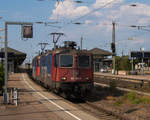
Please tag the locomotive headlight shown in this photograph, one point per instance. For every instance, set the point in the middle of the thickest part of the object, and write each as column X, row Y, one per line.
column 63, row 78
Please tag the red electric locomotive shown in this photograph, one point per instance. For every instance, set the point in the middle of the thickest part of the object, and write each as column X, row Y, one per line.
column 65, row 70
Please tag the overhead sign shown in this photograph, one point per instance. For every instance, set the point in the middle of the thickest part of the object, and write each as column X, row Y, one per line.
column 140, row 54
column 27, row 31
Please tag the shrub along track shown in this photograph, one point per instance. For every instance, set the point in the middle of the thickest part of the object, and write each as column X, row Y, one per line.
column 93, row 104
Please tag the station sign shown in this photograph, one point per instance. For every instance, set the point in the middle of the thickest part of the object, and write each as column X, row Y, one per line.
column 27, row 31
column 140, row 54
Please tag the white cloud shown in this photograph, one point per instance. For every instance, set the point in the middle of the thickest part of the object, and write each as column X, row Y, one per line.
column 97, row 14
column 130, row 15
column 68, row 9
column 105, row 25
column 140, row 9
column 100, row 3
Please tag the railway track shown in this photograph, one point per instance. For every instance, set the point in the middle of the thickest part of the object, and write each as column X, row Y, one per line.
column 91, row 108
column 133, row 84
column 97, row 111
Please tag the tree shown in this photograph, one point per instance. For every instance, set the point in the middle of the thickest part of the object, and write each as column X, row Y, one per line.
column 123, row 63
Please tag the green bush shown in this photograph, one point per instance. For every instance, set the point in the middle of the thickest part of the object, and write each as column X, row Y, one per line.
column 118, row 102
column 133, row 98
column 112, row 86
column 1, row 76
column 122, row 63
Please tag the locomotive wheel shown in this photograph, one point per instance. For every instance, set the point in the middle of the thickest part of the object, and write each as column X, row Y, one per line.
column 66, row 95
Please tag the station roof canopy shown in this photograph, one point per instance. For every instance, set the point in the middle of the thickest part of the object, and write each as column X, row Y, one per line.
column 11, row 50
column 100, row 52
column 18, row 56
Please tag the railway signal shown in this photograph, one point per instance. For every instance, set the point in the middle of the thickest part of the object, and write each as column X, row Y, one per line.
column 113, row 46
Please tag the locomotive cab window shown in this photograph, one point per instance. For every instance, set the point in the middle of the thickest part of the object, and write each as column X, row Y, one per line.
column 66, row 61
column 83, row 61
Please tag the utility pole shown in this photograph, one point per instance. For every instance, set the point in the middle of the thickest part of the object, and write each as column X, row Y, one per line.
column 43, row 45
column 0, row 36
column 113, row 46
column 56, row 37
column 81, row 42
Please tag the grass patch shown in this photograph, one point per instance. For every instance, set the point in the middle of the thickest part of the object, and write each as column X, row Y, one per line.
column 133, row 98
column 118, row 102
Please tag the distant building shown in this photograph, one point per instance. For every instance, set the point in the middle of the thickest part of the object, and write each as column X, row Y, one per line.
column 100, row 58
column 15, row 59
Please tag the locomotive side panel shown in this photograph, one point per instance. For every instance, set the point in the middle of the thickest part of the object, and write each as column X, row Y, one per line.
column 34, row 68
column 42, row 69
column 38, row 68
column 48, row 70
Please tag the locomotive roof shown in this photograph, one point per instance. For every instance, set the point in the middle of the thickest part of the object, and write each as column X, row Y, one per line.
column 63, row 51
column 71, row 51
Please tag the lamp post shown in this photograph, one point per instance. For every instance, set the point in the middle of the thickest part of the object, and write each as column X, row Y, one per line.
column 142, row 50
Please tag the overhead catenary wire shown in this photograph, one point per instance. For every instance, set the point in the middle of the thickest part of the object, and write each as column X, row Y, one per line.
column 90, row 12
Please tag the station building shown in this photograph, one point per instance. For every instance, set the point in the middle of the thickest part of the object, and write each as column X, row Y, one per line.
column 101, row 59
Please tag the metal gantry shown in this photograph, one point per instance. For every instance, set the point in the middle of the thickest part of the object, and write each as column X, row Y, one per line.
column 6, row 55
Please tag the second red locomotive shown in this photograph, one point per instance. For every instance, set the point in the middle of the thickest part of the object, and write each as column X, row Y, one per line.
column 65, row 70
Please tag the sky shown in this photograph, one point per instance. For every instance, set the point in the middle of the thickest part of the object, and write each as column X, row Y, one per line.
column 95, row 18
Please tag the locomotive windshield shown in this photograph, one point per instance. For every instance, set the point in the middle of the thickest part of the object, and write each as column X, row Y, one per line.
column 66, row 61
column 83, row 61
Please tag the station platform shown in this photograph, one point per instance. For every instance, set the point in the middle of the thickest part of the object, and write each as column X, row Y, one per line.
column 134, row 77
column 29, row 108
column 36, row 103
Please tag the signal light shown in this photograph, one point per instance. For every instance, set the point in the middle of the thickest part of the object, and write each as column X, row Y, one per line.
column 113, row 47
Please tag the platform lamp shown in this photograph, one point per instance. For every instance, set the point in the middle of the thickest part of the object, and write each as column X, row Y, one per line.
column 142, row 51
